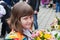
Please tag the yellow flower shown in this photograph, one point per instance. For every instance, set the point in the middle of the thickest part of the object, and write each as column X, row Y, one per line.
column 47, row 36
column 58, row 27
column 13, row 35
column 41, row 33
column 38, row 38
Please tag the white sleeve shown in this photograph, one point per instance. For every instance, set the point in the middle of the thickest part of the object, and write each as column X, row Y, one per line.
column 2, row 10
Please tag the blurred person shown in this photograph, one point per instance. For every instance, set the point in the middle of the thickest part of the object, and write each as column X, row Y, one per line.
column 2, row 11
column 45, row 2
column 54, row 4
column 35, row 5
column 57, row 5
column 5, row 26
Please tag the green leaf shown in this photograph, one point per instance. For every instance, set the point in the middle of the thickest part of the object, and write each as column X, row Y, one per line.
column 35, row 38
column 56, row 35
column 48, row 30
column 59, row 38
column 58, row 20
column 42, row 38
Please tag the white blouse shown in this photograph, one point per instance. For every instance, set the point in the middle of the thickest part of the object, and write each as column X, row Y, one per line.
column 2, row 11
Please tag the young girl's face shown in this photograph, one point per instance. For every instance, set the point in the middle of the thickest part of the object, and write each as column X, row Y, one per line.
column 27, row 21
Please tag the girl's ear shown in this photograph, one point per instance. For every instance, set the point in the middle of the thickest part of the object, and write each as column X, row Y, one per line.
column 19, row 20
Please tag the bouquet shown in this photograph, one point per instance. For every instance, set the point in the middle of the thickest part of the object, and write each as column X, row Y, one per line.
column 42, row 35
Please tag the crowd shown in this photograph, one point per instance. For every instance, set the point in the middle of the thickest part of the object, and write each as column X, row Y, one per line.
column 18, row 16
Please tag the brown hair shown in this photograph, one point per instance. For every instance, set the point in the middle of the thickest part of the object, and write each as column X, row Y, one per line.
column 19, row 10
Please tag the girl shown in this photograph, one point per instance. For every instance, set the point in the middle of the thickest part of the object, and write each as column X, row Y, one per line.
column 20, row 22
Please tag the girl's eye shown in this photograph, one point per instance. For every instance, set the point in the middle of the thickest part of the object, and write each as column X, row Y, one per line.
column 25, row 18
column 31, row 16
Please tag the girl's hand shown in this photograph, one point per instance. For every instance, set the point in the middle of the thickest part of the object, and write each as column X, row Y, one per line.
column 35, row 34
column 35, row 12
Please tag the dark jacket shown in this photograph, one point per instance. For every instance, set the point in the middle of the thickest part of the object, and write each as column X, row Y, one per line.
column 7, row 15
column 58, row 1
column 54, row 1
column 34, row 4
column 11, row 2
